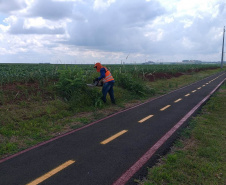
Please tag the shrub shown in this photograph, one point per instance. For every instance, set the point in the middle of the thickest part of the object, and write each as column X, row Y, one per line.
column 73, row 89
column 70, row 81
column 87, row 99
column 134, row 85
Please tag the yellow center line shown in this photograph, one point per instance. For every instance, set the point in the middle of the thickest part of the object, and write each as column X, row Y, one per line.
column 146, row 118
column 164, row 108
column 187, row 94
column 199, row 87
column 194, row 91
column 113, row 137
column 51, row 173
column 178, row 100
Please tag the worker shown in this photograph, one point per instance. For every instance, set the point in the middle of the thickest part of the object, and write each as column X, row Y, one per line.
column 108, row 82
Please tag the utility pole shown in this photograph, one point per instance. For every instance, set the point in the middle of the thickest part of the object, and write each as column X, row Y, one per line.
column 222, row 56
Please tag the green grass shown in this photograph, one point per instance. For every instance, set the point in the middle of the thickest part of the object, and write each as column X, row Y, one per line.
column 34, row 112
column 164, row 86
column 199, row 156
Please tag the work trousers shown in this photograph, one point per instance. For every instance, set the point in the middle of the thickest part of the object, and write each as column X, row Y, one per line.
column 108, row 88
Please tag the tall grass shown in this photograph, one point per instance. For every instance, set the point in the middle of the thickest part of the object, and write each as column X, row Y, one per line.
column 134, row 85
column 73, row 89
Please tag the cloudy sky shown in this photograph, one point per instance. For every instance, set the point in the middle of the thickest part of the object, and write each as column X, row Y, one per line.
column 110, row 31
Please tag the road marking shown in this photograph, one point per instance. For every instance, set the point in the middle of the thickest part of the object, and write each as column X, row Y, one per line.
column 204, row 85
column 187, row 94
column 164, row 108
column 199, row 87
column 128, row 174
column 194, row 91
column 207, row 83
column 51, row 173
column 178, row 100
column 113, row 137
column 146, row 118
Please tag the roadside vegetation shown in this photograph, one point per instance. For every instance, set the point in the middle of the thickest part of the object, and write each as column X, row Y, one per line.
column 199, row 156
column 41, row 101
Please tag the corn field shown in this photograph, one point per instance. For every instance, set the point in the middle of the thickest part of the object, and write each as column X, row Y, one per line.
column 10, row 73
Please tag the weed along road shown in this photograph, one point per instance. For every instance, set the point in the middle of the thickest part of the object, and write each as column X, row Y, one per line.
column 113, row 150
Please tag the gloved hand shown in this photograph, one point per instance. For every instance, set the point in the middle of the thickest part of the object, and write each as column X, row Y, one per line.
column 96, row 81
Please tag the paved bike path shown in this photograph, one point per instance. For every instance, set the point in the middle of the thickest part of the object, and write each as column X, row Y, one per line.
column 85, row 156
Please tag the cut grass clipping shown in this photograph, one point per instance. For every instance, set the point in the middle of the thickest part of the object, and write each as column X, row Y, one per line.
column 199, row 157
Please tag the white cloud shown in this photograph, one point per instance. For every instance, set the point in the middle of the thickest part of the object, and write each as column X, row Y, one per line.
column 107, row 30
column 102, row 4
column 119, row 28
column 4, row 28
column 187, row 22
column 155, row 36
column 11, row 5
column 49, row 9
column 35, row 22
column 188, row 43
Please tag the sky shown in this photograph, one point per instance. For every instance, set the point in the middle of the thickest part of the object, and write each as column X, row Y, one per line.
column 110, row 31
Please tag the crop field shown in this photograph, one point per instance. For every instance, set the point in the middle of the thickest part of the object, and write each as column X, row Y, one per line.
column 41, row 101
column 22, row 81
column 10, row 73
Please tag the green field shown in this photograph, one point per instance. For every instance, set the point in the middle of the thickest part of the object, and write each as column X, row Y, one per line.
column 41, row 101
column 44, row 72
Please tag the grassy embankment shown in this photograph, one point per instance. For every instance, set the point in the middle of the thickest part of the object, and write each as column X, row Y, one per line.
column 199, row 156
column 32, row 113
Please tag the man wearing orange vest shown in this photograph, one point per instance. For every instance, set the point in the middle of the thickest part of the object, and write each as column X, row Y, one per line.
column 108, row 81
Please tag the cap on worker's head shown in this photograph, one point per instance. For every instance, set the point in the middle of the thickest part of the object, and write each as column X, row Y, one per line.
column 98, row 66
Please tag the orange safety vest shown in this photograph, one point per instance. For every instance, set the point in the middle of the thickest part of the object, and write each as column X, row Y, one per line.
column 108, row 77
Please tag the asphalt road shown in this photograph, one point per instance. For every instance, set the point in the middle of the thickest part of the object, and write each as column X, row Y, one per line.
column 114, row 150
